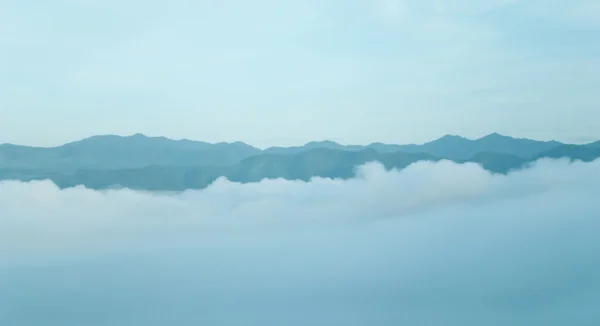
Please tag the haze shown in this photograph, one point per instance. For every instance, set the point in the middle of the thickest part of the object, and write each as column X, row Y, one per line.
column 285, row 73
column 300, row 162
column 437, row 244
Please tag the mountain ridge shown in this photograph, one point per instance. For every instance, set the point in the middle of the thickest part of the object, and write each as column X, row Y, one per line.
column 142, row 135
column 159, row 163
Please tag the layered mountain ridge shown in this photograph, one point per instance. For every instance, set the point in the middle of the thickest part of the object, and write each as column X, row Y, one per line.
column 163, row 164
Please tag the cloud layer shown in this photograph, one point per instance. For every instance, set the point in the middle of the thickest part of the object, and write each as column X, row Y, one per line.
column 434, row 244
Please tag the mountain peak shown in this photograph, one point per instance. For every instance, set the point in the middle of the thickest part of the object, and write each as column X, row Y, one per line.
column 495, row 135
column 138, row 135
column 449, row 137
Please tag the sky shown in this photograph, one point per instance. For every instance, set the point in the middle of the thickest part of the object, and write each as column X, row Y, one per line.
column 287, row 72
column 434, row 244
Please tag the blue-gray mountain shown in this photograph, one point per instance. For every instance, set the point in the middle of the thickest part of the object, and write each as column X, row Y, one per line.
column 162, row 164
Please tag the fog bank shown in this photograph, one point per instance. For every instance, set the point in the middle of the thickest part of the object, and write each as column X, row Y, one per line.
column 433, row 244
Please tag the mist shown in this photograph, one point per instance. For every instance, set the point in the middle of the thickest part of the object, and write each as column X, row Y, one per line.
column 434, row 244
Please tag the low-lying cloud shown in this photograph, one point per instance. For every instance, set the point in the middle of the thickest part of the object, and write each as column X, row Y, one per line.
column 434, row 244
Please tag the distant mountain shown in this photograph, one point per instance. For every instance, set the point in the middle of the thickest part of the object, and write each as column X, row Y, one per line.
column 388, row 148
column 162, row 164
column 310, row 146
column 319, row 162
column 151, row 178
column 460, row 148
column 117, row 152
column 585, row 153
column 498, row 162
column 449, row 146
column 594, row 144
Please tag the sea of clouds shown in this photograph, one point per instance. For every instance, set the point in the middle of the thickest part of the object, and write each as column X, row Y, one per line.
column 434, row 244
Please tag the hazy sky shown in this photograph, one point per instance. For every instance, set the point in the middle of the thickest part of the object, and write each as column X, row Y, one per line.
column 435, row 244
column 286, row 72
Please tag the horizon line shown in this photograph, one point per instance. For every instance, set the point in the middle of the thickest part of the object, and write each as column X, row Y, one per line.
column 138, row 134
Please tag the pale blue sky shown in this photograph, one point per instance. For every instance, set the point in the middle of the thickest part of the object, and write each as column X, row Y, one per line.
column 286, row 72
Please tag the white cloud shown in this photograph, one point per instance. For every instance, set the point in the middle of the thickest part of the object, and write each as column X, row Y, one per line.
column 435, row 244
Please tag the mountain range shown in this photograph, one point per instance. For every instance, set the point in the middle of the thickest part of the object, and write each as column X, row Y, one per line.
column 162, row 164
